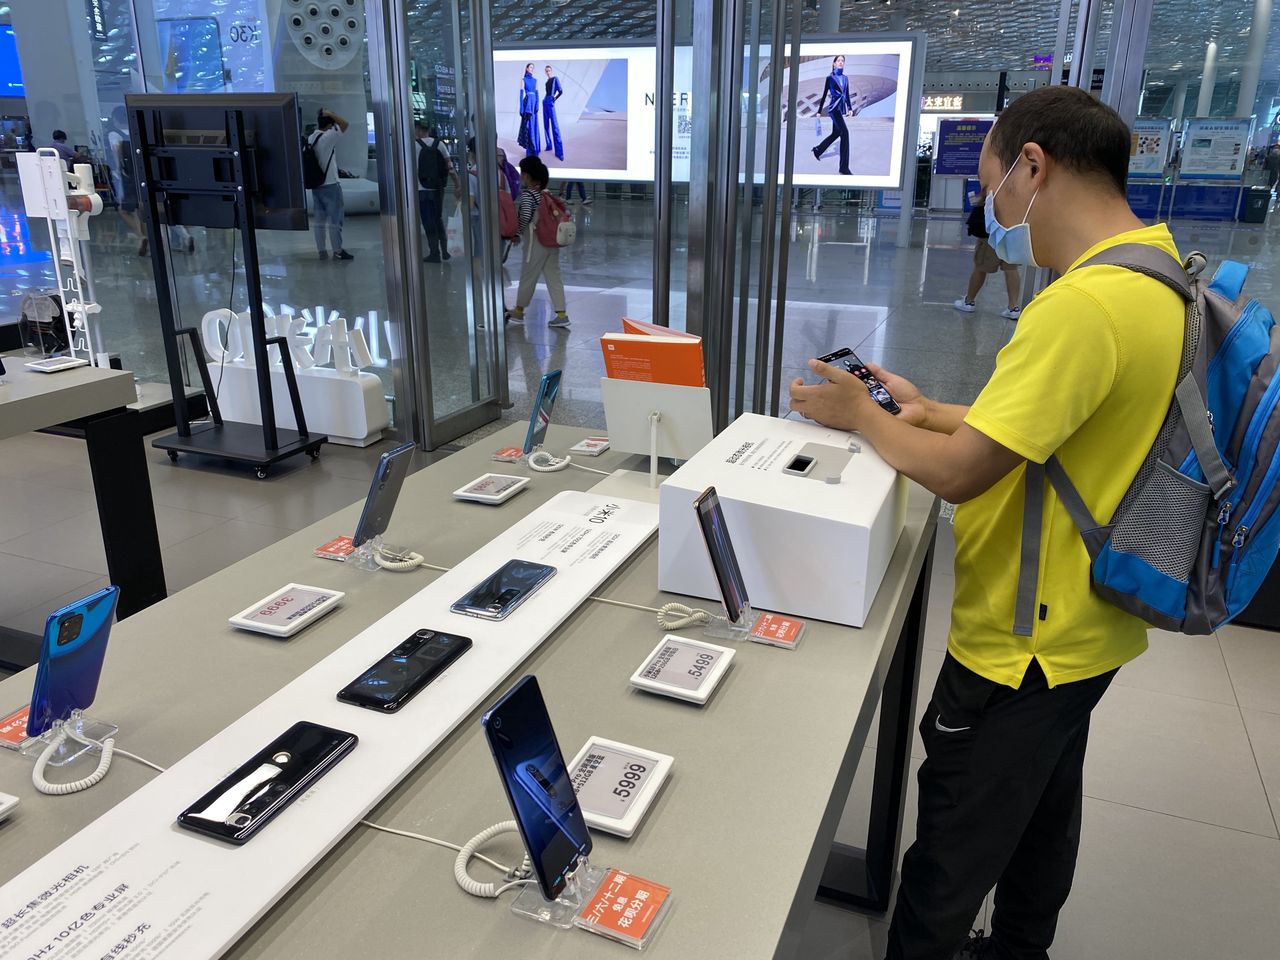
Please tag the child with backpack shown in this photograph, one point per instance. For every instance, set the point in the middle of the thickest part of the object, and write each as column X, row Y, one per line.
column 545, row 226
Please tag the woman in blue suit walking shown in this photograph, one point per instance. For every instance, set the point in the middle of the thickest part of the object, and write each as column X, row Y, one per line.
column 835, row 94
column 528, row 137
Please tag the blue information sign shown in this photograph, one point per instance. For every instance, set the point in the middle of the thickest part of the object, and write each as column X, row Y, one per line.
column 958, row 146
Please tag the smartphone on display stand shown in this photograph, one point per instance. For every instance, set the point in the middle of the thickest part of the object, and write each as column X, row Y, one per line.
column 403, row 673
column 260, row 789
column 540, row 418
column 388, row 478
column 71, row 655
column 844, row 357
column 496, row 596
column 536, row 780
column 715, row 533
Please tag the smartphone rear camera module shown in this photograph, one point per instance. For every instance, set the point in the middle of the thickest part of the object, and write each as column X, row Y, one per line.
column 239, row 820
column 69, row 629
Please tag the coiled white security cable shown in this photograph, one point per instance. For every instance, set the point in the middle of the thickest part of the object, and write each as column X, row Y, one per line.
column 108, row 747
column 515, row 878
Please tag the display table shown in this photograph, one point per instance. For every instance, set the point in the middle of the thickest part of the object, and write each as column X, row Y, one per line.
column 95, row 400
column 743, row 832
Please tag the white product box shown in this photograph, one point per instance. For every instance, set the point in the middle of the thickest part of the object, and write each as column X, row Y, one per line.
column 807, row 547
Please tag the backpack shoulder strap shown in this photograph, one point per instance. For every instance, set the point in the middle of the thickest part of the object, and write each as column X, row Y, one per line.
column 1147, row 260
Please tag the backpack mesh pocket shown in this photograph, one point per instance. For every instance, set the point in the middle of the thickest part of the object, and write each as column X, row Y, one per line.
column 1164, row 522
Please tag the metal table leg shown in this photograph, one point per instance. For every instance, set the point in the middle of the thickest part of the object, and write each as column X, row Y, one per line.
column 863, row 878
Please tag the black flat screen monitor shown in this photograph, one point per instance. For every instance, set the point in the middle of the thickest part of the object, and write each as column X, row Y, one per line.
column 188, row 122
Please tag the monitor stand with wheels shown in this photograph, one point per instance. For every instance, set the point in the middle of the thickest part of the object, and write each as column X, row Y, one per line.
column 198, row 176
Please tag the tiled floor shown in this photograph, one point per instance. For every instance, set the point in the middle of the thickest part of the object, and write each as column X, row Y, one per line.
column 1181, row 853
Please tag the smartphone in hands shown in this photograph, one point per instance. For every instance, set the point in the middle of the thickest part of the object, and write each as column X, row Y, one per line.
column 844, row 357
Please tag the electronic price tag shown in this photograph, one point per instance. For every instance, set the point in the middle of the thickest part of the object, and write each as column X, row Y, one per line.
column 617, row 783
column 684, row 669
column 492, row 488
column 290, row 609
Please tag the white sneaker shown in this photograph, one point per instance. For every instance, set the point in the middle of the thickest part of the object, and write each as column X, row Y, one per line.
column 964, row 306
column 1012, row 313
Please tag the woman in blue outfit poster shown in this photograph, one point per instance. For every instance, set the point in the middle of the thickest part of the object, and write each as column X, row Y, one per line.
column 836, row 95
column 550, row 124
column 528, row 137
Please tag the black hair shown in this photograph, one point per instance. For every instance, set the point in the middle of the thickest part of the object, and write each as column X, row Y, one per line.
column 471, row 145
column 838, row 56
column 60, row 135
column 528, row 65
column 1082, row 134
column 323, row 120
column 536, row 170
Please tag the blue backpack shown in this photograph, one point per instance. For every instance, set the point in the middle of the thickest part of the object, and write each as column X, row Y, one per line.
column 1196, row 532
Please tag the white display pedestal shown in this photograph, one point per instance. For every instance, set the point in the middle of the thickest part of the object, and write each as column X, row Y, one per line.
column 351, row 408
column 806, row 547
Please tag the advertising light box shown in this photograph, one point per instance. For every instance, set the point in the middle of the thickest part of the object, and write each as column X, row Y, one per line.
column 606, row 113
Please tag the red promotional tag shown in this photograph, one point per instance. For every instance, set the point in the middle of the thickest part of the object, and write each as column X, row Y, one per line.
column 337, row 549
column 777, row 630
column 509, row 454
column 13, row 728
column 625, row 907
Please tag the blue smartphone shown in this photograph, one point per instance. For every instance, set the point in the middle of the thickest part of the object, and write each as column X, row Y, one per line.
column 540, row 419
column 388, row 478
column 536, row 780
column 71, row 654
column 497, row 595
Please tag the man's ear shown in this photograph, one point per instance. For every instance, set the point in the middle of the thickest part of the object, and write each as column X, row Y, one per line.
column 1037, row 162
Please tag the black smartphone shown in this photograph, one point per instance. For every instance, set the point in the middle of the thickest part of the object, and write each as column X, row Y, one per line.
column 497, row 595
column 536, row 780
column 400, row 676
column 261, row 788
column 388, row 478
column 715, row 533
column 849, row 360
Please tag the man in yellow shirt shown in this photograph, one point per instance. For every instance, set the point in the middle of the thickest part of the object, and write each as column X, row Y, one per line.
column 1089, row 375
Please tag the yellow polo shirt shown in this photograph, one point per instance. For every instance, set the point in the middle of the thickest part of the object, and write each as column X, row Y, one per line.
column 1088, row 375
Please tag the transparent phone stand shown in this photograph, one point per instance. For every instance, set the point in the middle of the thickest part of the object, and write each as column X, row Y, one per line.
column 366, row 555
column 580, row 886
column 722, row 628
column 79, row 738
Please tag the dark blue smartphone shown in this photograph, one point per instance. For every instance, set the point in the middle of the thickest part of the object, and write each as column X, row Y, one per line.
column 543, row 404
column 388, row 478
column 715, row 532
column 71, row 654
column 537, row 783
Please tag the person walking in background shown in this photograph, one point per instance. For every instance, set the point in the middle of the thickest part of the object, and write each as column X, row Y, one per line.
column 1273, row 165
column 550, row 124
column 434, row 170
column 836, row 95
column 528, row 136
column 329, row 207
column 511, row 174
column 567, row 191
column 122, row 180
column 539, row 260
column 985, row 263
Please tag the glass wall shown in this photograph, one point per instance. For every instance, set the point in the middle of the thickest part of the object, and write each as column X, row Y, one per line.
column 316, row 49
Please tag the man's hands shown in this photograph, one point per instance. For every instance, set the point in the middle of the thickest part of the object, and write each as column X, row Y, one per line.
column 844, row 403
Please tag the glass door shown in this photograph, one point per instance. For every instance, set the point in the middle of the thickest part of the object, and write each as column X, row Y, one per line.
column 448, row 220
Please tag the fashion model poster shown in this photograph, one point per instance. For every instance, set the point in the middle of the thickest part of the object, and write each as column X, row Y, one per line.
column 851, row 111
column 570, row 107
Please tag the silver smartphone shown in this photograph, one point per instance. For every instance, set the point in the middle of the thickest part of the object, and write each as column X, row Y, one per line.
column 500, row 593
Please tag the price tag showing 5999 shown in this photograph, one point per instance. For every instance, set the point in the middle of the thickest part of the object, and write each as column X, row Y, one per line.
column 616, row 783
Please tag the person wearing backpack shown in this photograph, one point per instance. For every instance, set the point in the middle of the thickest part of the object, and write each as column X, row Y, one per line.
column 434, row 170
column 541, row 259
column 1087, row 379
column 985, row 263
column 327, row 195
